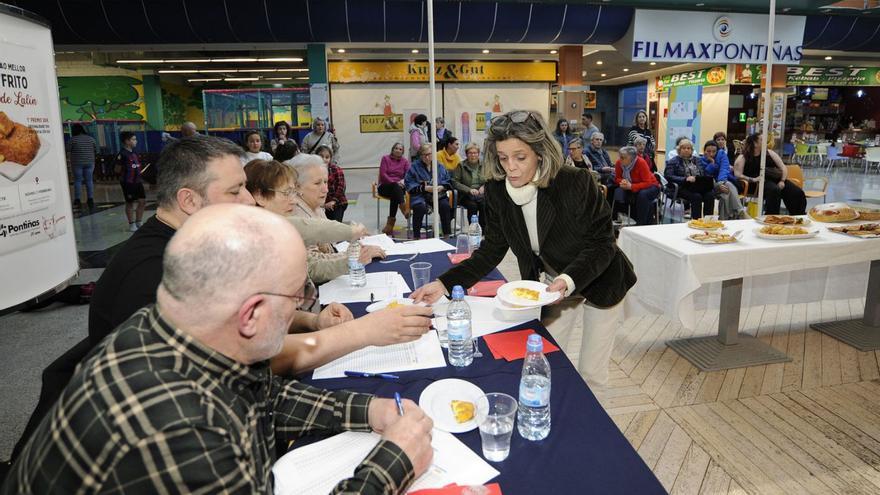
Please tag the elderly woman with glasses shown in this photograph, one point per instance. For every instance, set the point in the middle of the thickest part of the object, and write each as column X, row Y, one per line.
column 419, row 182
column 635, row 184
column 558, row 227
column 695, row 184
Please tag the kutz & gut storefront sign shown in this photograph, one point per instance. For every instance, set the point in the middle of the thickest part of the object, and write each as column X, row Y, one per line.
column 450, row 71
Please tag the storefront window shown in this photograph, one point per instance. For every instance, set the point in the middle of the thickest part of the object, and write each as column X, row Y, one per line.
column 630, row 100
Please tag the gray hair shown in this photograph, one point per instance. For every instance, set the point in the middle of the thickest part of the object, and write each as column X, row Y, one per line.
column 189, row 125
column 317, row 121
column 243, row 250
column 597, row 134
column 440, row 120
column 304, row 162
column 683, row 142
column 578, row 141
column 640, row 140
column 184, row 164
column 629, row 151
column 532, row 131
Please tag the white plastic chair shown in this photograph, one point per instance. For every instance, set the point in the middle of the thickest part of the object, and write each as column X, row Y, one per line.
column 872, row 155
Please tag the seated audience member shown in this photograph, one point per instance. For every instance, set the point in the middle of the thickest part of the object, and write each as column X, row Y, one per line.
column 442, row 133
column 715, row 163
column 601, row 162
column 418, row 135
column 577, row 159
column 336, row 202
column 320, row 135
column 777, row 187
column 725, row 146
column 310, row 176
column 448, row 154
column 419, row 183
column 467, row 179
column 253, row 147
column 694, row 184
column 641, row 145
column 674, row 151
column 564, row 135
column 635, row 185
column 286, row 151
column 282, row 135
column 182, row 401
column 273, row 186
column 392, row 170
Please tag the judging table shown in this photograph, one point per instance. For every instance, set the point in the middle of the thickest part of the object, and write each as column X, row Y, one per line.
column 585, row 451
column 672, row 269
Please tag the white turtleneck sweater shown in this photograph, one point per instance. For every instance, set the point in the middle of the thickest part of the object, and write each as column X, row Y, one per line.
column 526, row 197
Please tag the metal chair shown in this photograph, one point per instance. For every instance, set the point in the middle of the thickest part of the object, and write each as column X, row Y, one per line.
column 834, row 156
column 872, row 155
column 378, row 197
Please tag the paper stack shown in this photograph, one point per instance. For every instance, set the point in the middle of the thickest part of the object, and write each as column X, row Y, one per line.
column 380, row 285
column 417, row 355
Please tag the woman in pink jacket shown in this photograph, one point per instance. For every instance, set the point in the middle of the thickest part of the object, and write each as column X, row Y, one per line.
column 392, row 169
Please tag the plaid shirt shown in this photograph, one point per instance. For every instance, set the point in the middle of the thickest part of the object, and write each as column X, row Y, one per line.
column 336, row 185
column 151, row 410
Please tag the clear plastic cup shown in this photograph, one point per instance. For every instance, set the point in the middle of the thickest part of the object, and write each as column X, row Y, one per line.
column 496, row 414
column 462, row 244
column 421, row 273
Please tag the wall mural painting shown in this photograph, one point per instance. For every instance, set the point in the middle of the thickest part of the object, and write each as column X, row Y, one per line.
column 181, row 104
column 101, row 97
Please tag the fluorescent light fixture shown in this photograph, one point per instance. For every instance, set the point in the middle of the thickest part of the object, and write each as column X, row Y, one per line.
column 415, row 50
column 625, row 69
column 187, row 61
column 341, row 50
column 178, row 71
column 829, row 57
column 204, row 80
column 553, row 52
column 293, row 70
column 141, row 61
column 233, row 60
column 215, row 71
column 278, row 78
column 485, row 51
column 242, row 79
column 258, row 70
column 280, row 59
column 302, row 78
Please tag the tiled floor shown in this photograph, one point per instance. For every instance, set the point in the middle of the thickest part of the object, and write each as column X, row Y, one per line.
column 655, row 399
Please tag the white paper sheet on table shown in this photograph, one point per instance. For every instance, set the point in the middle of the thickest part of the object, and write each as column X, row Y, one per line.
column 382, row 285
column 417, row 355
column 420, row 246
column 317, row 468
column 380, row 240
column 485, row 317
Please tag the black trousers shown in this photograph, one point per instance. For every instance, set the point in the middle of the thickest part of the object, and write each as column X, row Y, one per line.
column 420, row 210
column 395, row 193
column 336, row 213
column 793, row 196
column 474, row 206
column 702, row 203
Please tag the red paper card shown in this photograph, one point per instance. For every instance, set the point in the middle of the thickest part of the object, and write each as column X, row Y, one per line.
column 512, row 345
column 458, row 258
column 453, row 489
column 487, row 288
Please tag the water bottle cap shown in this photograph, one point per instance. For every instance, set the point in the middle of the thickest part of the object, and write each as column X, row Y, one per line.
column 535, row 343
column 473, row 218
column 457, row 292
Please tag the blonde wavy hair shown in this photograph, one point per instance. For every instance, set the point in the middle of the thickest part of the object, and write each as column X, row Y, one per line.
column 530, row 128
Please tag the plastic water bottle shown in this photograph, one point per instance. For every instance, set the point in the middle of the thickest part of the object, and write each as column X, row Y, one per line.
column 533, row 421
column 475, row 234
column 356, row 272
column 458, row 329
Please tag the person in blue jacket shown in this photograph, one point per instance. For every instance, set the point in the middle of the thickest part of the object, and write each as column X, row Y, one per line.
column 716, row 164
column 419, row 184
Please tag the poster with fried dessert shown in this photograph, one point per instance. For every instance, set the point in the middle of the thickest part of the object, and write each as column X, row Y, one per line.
column 37, row 247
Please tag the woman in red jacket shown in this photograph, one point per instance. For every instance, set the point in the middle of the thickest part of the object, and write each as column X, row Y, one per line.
column 636, row 184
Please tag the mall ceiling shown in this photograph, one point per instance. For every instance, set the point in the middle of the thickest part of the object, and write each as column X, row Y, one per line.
column 115, row 23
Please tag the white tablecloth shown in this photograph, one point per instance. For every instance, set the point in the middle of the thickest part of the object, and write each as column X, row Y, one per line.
column 677, row 277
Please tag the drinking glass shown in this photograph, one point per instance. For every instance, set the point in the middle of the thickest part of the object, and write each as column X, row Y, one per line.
column 462, row 245
column 421, row 273
column 495, row 414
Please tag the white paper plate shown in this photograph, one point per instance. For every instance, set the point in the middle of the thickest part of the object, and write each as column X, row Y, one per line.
column 710, row 243
column 716, row 229
column 403, row 301
column 505, row 294
column 436, row 401
column 772, row 237
column 806, row 221
column 507, row 307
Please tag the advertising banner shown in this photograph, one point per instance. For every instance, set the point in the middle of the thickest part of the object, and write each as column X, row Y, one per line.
column 37, row 248
column 713, row 76
column 707, row 37
column 382, row 123
column 833, row 76
column 448, row 71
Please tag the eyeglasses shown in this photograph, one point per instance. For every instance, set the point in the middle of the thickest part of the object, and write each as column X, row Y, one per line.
column 501, row 124
column 301, row 300
column 289, row 192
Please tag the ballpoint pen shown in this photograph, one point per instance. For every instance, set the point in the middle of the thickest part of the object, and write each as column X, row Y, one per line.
column 399, row 403
column 362, row 374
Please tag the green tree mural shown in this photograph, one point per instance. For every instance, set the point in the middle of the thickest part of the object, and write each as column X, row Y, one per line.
column 173, row 108
column 99, row 97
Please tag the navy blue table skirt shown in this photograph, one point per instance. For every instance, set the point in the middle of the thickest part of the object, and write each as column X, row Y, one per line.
column 584, row 453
